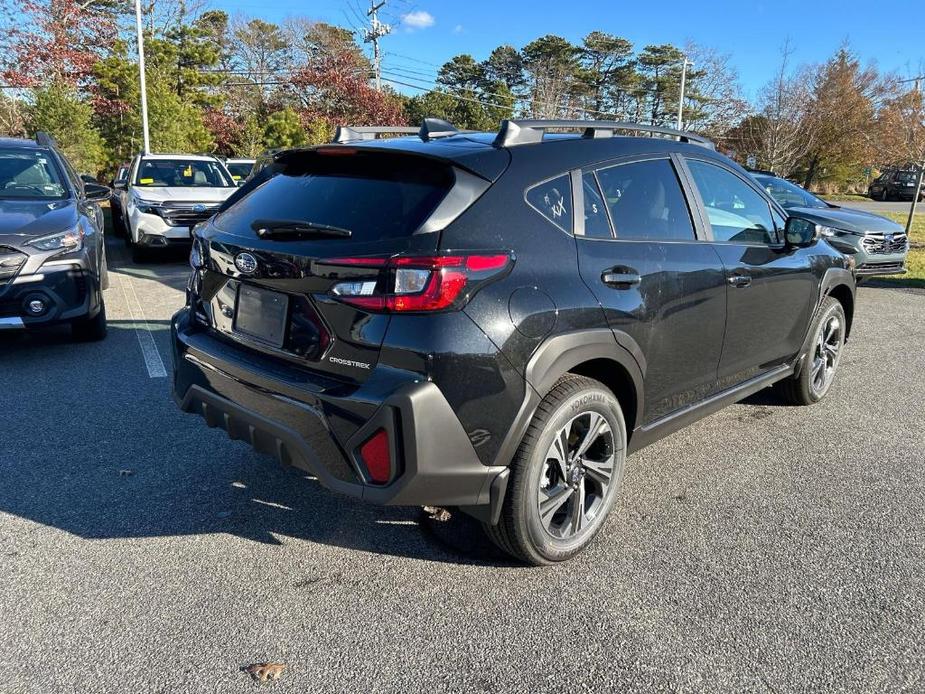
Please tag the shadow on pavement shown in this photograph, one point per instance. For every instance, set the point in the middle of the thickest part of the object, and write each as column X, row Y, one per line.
column 101, row 451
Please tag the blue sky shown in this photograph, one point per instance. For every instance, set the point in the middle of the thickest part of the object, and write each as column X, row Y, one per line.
column 752, row 33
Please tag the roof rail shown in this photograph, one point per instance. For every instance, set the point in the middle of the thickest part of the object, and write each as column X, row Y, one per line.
column 431, row 129
column 353, row 133
column 45, row 140
column 527, row 131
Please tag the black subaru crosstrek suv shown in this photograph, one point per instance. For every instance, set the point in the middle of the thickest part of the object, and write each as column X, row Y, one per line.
column 52, row 255
column 493, row 321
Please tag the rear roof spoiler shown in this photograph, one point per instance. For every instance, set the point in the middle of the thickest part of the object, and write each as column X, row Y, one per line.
column 528, row 131
column 430, row 129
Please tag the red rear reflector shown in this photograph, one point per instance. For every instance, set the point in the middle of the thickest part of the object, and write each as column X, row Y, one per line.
column 377, row 458
column 478, row 263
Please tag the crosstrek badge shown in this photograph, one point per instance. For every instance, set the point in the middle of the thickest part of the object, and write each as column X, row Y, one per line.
column 349, row 362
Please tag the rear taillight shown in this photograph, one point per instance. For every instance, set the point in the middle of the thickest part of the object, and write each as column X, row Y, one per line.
column 377, row 457
column 404, row 284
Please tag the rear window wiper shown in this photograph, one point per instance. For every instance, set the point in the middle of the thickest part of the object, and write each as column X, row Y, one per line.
column 289, row 228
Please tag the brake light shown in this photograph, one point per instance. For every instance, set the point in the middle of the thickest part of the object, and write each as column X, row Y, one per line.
column 336, row 151
column 376, row 457
column 419, row 283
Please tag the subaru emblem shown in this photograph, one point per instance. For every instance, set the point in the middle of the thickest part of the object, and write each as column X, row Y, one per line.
column 199, row 207
column 888, row 238
column 246, row 263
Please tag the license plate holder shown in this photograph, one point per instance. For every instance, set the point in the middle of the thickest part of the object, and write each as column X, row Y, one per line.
column 261, row 314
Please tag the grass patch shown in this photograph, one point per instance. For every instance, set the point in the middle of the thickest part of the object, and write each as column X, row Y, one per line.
column 845, row 197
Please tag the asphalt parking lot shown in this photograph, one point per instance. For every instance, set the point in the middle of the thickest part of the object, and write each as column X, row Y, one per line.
column 766, row 548
column 879, row 207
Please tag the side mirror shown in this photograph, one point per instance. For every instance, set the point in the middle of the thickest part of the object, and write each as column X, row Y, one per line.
column 800, row 232
column 119, row 185
column 94, row 192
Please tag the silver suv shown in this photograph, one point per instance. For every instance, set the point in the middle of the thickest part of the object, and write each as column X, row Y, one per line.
column 877, row 244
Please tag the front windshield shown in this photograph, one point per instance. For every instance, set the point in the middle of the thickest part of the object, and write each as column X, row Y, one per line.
column 29, row 173
column 181, row 173
column 906, row 176
column 240, row 169
column 788, row 194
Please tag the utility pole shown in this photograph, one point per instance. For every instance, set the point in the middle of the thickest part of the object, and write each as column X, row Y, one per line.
column 141, row 78
column 918, row 183
column 687, row 63
column 372, row 35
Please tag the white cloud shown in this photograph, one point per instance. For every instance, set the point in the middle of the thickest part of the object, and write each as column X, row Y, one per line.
column 458, row 29
column 419, row 19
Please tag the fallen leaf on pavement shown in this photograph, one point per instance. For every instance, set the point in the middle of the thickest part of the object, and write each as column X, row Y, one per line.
column 264, row 672
column 435, row 513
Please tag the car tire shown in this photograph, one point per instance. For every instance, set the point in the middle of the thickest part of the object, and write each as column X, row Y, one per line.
column 820, row 357
column 90, row 329
column 566, row 475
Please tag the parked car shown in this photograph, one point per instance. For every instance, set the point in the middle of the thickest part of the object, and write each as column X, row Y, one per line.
column 895, row 185
column 52, row 256
column 166, row 195
column 240, row 169
column 118, row 185
column 264, row 160
column 492, row 321
column 877, row 244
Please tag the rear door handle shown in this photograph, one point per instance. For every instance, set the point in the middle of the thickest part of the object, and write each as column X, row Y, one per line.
column 739, row 280
column 621, row 280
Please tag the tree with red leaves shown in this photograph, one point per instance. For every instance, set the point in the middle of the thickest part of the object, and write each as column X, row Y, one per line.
column 56, row 41
column 336, row 92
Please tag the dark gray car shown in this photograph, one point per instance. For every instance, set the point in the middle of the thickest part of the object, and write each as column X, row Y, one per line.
column 878, row 245
column 52, row 258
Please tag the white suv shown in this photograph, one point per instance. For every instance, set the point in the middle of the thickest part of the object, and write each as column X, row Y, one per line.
column 166, row 195
column 240, row 169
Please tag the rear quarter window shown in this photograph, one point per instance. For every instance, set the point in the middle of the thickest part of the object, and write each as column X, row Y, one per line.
column 375, row 196
column 553, row 200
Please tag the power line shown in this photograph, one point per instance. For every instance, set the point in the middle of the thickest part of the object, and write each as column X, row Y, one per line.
column 414, row 60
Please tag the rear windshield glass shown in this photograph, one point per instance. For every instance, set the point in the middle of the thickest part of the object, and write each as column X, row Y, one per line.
column 375, row 196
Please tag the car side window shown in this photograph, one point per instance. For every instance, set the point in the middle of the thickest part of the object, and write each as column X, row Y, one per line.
column 76, row 182
column 735, row 210
column 597, row 225
column 779, row 221
column 553, row 200
column 646, row 202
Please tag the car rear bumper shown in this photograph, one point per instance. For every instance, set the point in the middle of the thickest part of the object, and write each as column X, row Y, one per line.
column 319, row 427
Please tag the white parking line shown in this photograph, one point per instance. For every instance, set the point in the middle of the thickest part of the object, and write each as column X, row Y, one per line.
column 152, row 357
